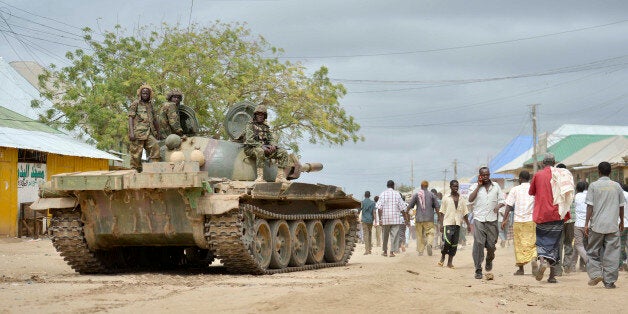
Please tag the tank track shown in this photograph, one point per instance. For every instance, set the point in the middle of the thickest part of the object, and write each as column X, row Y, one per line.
column 69, row 240
column 225, row 235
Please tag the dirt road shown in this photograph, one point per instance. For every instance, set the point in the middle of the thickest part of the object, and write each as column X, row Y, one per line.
column 34, row 278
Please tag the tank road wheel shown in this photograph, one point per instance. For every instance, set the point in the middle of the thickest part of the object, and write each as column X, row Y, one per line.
column 298, row 233
column 282, row 244
column 316, row 242
column 262, row 244
column 334, row 241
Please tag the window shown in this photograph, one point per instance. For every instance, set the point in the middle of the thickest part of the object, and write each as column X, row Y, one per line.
column 26, row 155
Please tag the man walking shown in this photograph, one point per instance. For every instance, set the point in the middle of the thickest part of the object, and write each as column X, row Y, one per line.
column 486, row 198
column 605, row 203
column 426, row 204
column 367, row 221
column 522, row 204
column 549, row 223
column 392, row 213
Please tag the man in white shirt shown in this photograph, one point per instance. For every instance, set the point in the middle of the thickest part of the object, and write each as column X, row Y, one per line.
column 392, row 214
column 522, row 204
column 486, row 198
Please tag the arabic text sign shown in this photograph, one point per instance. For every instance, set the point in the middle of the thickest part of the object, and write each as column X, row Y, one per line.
column 29, row 177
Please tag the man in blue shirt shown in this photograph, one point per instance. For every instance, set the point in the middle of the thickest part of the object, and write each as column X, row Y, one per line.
column 367, row 220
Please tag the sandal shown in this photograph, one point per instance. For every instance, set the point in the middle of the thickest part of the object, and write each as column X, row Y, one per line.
column 451, row 266
column 440, row 264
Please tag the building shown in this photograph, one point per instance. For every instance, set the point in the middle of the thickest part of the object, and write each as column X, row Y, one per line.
column 31, row 152
column 580, row 147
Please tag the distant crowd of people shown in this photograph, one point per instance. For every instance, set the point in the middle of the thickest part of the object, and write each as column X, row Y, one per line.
column 552, row 222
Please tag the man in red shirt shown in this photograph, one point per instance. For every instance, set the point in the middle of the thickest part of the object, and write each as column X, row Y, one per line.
column 549, row 224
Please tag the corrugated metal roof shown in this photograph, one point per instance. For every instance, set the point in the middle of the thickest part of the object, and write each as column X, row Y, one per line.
column 49, row 142
column 14, row 120
column 614, row 152
column 573, row 129
column 19, row 130
column 569, row 146
column 515, row 148
column 558, row 135
column 17, row 92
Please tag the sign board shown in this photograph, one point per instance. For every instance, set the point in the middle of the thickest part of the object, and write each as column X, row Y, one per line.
column 29, row 177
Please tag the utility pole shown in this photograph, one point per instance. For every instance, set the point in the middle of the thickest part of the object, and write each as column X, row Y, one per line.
column 534, row 139
column 455, row 169
column 445, row 181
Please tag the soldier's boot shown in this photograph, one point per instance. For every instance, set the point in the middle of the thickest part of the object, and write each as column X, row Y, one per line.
column 281, row 176
column 260, row 175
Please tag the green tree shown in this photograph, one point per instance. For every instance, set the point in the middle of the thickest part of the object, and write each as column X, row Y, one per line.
column 214, row 66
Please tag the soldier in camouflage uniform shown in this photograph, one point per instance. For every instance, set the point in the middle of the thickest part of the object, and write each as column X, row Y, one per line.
column 143, row 128
column 169, row 120
column 259, row 143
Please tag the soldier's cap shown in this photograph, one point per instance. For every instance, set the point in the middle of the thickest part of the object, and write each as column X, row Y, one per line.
column 144, row 85
column 261, row 108
column 174, row 92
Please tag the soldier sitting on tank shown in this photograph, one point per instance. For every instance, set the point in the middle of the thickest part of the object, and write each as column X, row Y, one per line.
column 143, row 128
column 169, row 120
column 259, row 143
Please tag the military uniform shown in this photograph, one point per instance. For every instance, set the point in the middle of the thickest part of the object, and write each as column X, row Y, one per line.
column 257, row 136
column 169, row 122
column 168, row 118
column 142, row 116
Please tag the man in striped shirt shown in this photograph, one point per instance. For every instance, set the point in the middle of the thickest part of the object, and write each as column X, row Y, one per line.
column 392, row 214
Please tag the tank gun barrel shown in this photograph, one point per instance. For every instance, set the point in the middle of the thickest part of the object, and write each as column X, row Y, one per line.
column 311, row 167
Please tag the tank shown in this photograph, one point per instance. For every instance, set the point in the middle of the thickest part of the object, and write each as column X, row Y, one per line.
column 198, row 206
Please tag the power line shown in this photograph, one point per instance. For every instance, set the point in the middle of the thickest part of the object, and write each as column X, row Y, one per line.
column 40, row 16
column 593, row 65
column 30, row 51
column 440, row 123
column 485, row 102
column 42, row 31
column 459, row 47
column 46, row 40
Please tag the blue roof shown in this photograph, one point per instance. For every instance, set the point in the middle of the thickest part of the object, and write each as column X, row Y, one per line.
column 514, row 149
column 495, row 176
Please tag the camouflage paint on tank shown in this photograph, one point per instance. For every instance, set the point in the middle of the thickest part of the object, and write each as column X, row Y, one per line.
column 156, row 219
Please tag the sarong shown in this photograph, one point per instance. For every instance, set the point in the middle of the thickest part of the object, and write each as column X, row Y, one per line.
column 451, row 235
column 548, row 240
column 525, row 242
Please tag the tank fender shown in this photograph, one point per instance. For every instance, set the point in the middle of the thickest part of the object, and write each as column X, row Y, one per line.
column 216, row 204
column 54, row 202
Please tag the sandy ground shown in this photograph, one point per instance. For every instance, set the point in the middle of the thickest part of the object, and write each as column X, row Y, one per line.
column 34, row 278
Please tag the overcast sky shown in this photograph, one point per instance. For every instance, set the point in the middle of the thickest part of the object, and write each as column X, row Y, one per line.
column 428, row 81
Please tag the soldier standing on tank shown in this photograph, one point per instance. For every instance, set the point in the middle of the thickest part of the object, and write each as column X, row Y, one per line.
column 259, row 143
column 169, row 120
column 143, row 128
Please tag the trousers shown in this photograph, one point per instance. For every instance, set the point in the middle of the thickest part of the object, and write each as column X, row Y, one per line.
column 387, row 231
column 424, row 234
column 366, row 230
column 484, row 236
column 603, row 252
